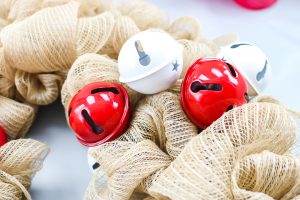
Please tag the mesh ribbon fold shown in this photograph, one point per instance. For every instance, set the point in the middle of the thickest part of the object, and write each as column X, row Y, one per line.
column 20, row 160
column 240, row 156
column 36, row 48
column 15, row 118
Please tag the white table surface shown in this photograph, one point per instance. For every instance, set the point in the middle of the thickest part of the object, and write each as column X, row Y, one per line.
column 65, row 175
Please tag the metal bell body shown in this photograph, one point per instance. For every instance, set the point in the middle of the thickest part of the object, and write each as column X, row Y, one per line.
column 3, row 138
column 99, row 113
column 150, row 61
column 251, row 62
column 210, row 88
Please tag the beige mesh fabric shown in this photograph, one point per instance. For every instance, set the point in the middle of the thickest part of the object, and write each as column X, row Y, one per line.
column 144, row 14
column 43, row 42
column 240, row 156
column 129, row 156
column 93, row 8
column 93, row 32
column 161, row 119
column 20, row 9
column 16, row 118
column 7, row 76
column 266, row 176
column 16, row 10
column 125, row 28
column 194, row 50
column 185, row 28
column 295, row 149
column 38, row 89
column 46, row 42
column 20, row 160
column 226, row 39
column 209, row 164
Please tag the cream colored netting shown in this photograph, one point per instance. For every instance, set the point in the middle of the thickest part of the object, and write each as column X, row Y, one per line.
column 34, row 49
column 15, row 117
column 20, row 160
column 241, row 156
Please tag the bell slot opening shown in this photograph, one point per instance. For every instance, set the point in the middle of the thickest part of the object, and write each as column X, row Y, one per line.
column 69, row 112
column 231, row 69
column 96, row 129
column 109, row 89
column 196, row 86
column 95, row 165
column 229, row 108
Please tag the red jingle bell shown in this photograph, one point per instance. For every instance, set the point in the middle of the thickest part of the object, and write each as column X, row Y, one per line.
column 99, row 113
column 256, row 4
column 210, row 88
column 3, row 138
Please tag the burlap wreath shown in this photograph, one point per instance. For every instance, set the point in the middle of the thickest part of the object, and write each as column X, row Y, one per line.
column 251, row 152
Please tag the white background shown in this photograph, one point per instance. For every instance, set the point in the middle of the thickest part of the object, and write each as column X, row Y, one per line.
column 276, row 31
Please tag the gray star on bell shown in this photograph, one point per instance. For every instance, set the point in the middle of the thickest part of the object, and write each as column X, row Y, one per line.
column 175, row 66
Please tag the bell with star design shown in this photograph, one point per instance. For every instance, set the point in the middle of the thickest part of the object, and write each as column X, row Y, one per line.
column 150, row 61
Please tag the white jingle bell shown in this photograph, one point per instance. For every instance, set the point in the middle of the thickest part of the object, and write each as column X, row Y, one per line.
column 150, row 61
column 251, row 62
column 93, row 164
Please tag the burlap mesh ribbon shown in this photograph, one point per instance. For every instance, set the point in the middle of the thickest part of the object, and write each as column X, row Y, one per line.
column 15, row 117
column 241, row 156
column 35, row 48
column 19, row 161
column 226, row 161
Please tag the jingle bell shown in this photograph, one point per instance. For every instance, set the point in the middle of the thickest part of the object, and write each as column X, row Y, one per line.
column 93, row 164
column 150, row 61
column 256, row 4
column 210, row 88
column 251, row 62
column 99, row 113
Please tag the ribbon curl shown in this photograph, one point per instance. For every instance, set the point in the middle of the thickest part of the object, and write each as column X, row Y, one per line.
column 20, row 160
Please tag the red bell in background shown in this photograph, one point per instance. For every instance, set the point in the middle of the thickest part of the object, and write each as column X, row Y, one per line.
column 3, row 138
column 99, row 113
column 210, row 88
column 256, row 4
